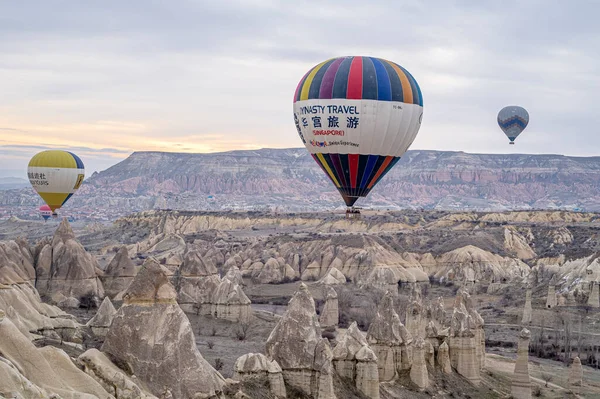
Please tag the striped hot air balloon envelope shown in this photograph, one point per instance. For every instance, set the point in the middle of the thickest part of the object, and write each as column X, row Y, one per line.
column 45, row 211
column 513, row 120
column 357, row 116
column 55, row 175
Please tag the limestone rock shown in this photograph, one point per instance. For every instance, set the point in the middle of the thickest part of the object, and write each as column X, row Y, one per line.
column 333, row 277
column 253, row 365
column 418, row 371
column 330, row 316
column 517, row 244
column 275, row 271
column 467, row 342
column 197, row 281
column 16, row 263
column 415, row 320
column 527, row 309
column 594, row 298
column 390, row 340
column 112, row 379
column 235, row 276
column 47, row 370
column 229, row 302
column 551, row 299
column 443, row 358
column 65, row 266
column 103, row 318
column 576, row 373
column 119, row 273
column 355, row 360
column 296, row 344
column 521, row 382
column 151, row 334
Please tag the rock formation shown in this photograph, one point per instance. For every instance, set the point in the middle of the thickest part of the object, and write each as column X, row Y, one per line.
column 576, row 373
column 355, row 360
column 527, row 309
column 418, row 371
column 296, row 344
column 118, row 274
column 521, row 382
column 30, row 372
column 273, row 271
column 443, row 358
column 594, row 298
column 229, row 302
column 196, row 282
column 390, row 340
column 64, row 266
column 517, row 244
column 333, row 277
column 330, row 316
column 114, row 380
column 234, row 275
column 257, row 365
column 467, row 342
column 415, row 320
column 103, row 318
column 153, row 336
column 551, row 300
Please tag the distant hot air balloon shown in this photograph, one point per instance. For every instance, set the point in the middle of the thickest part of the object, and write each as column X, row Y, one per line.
column 357, row 116
column 513, row 120
column 45, row 211
column 55, row 175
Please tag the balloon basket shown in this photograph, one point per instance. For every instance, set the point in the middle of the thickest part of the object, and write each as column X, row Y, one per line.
column 512, row 142
column 352, row 213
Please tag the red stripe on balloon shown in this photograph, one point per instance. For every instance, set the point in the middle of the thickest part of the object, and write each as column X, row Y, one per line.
column 355, row 79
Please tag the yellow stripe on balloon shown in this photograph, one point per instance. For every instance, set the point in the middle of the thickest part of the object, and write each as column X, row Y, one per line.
column 328, row 169
column 309, row 79
column 406, row 89
column 54, row 200
column 53, row 159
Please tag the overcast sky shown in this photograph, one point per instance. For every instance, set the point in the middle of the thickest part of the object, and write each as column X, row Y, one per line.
column 107, row 78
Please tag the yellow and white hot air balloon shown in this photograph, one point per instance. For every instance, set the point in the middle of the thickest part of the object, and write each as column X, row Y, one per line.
column 55, row 175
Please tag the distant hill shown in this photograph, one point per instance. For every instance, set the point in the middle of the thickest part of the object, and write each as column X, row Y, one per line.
column 9, row 183
column 291, row 180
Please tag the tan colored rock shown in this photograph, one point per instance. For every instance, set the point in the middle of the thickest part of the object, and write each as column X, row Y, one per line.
column 257, row 365
column 521, row 382
column 551, row 299
column 517, row 244
column 119, row 273
column 333, row 277
column 330, row 316
column 443, row 358
column 355, row 360
column 153, row 336
column 235, row 276
column 103, row 318
column 576, row 373
column 418, row 371
column 197, row 281
column 65, row 266
column 527, row 309
column 296, row 344
column 466, row 334
column 16, row 263
column 44, row 371
column 229, row 302
column 390, row 340
column 435, row 313
column 414, row 319
column 594, row 298
column 275, row 271
column 112, row 378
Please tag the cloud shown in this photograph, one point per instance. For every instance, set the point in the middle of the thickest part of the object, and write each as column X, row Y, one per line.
column 116, row 77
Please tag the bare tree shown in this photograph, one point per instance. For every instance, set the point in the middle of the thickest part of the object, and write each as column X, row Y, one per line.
column 547, row 377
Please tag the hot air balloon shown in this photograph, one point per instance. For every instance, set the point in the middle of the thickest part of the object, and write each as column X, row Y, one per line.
column 357, row 116
column 45, row 211
column 55, row 175
column 513, row 120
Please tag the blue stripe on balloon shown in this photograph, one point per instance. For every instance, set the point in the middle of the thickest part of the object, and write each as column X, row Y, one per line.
column 77, row 160
column 315, row 86
column 395, row 84
column 384, row 86
column 368, row 170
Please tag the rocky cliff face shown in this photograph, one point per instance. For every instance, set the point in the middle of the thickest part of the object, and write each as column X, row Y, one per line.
column 272, row 177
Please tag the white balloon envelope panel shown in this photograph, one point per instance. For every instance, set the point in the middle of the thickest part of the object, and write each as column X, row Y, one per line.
column 513, row 120
column 357, row 116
